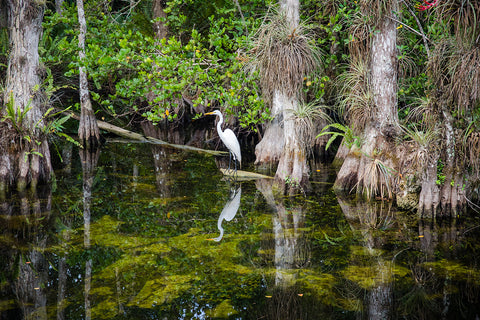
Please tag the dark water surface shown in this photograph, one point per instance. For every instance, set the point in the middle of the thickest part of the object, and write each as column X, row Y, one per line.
column 141, row 232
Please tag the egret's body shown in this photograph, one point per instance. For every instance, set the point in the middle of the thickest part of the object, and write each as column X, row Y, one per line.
column 229, row 139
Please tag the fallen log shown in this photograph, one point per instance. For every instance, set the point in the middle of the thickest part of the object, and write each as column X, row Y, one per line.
column 146, row 139
column 243, row 175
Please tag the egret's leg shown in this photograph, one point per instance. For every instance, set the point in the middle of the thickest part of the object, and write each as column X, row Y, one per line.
column 229, row 159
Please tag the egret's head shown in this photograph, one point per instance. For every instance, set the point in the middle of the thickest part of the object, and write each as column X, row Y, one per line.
column 215, row 112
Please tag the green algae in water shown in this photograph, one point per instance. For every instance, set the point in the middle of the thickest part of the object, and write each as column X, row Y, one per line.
column 150, row 258
column 161, row 290
column 223, row 310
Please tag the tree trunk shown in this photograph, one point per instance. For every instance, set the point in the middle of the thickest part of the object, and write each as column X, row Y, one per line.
column 370, row 168
column 59, row 6
column 293, row 161
column 272, row 146
column 291, row 9
column 24, row 149
column 88, row 131
column 451, row 195
column 159, row 27
column 287, row 72
column 429, row 198
column 269, row 150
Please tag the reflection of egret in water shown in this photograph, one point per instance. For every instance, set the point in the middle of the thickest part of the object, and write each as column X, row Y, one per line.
column 229, row 210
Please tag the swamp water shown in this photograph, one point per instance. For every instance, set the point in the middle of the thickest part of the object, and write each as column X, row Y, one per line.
column 140, row 232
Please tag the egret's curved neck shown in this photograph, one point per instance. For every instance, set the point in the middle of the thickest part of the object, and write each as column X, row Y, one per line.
column 219, row 123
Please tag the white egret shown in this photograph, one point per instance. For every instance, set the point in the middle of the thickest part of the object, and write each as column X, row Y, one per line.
column 229, row 139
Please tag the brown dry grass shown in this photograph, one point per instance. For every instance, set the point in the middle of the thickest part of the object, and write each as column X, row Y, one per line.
column 454, row 66
column 472, row 151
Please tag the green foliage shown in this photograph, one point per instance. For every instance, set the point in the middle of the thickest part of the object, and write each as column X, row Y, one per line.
column 132, row 72
column 349, row 139
column 3, row 50
column 14, row 115
column 440, row 175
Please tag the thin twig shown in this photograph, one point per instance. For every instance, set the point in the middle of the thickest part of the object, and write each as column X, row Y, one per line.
column 424, row 37
column 408, row 27
column 241, row 14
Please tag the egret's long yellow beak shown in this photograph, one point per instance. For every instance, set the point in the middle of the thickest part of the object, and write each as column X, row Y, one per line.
column 208, row 113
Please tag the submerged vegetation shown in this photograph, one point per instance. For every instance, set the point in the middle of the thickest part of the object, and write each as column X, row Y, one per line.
column 145, row 251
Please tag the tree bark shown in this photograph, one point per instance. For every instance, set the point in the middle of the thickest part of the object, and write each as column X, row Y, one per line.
column 449, row 198
column 269, row 150
column 281, row 141
column 429, row 198
column 293, row 160
column 159, row 27
column 291, row 9
column 24, row 149
column 88, row 131
column 59, row 6
column 378, row 150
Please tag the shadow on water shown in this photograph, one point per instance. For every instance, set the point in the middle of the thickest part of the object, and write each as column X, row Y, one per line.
column 124, row 235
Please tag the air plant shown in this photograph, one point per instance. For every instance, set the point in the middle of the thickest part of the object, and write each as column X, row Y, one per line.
column 454, row 64
column 355, row 97
column 471, row 144
column 305, row 117
column 423, row 110
column 376, row 178
column 425, row 143
column 283, row 56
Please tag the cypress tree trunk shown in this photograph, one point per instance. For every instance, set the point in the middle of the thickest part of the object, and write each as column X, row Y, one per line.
column 88, row 131
column 364, row 168
column 293, row 159
column 270, row 148
column 284, row 56
column 59, row 6
column 24, row 151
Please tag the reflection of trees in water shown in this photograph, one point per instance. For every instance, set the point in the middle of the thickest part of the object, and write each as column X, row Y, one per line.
column 431, row 292
column 373, row 269
column 26, row 224
column 377, row 276
column 161, row 160
column 290, row 253
column 89, row 163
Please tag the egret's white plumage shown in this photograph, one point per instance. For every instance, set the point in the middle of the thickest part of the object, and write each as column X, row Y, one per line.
column 228, row 138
